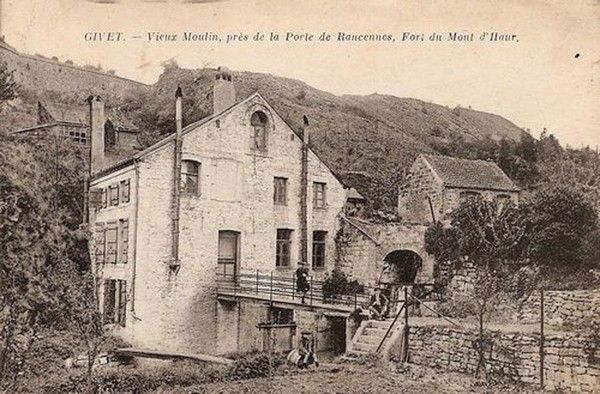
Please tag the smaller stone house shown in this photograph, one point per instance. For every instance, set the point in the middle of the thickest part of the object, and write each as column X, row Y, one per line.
column 73, row 123
column 437, row 184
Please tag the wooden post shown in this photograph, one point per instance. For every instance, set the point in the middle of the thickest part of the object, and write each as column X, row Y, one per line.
column 271, row 290
column 256, row 281
column 293, row 286
column 311, row 290
column 542, row 338
column 405, row 323
column 355, row 300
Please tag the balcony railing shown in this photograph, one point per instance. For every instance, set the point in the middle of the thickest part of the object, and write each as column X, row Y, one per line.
column 277, row 287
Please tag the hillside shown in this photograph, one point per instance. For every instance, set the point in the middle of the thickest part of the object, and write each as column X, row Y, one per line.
column 377, row 134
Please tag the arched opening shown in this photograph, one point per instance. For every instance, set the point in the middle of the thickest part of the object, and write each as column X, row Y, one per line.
column 401, row 266
column 259, row 122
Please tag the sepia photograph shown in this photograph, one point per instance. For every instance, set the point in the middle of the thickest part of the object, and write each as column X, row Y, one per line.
column 320, row 196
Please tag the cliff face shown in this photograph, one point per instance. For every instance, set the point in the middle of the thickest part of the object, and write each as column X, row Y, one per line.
column 42, row 74
column 51, row 81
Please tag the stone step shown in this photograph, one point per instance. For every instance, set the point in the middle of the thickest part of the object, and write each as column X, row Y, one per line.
column 381, row 324
column 375, row 332
column 353, row 353
column 369, row 339
column 364, row 347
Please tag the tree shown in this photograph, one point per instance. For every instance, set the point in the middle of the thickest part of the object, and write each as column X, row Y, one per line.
column 557, row 219
column 43, row 255
column 8, row 85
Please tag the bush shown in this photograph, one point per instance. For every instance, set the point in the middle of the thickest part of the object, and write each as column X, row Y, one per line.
column 130, row 379
column 254, row 365
column 336, row 283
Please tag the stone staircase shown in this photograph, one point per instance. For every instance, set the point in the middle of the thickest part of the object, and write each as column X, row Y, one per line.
column 369, row 335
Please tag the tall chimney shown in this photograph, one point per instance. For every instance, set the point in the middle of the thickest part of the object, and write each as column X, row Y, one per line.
column 304, row 192
column 175, row 262
column 223, row 91
column 178, row 111
column 96, row 133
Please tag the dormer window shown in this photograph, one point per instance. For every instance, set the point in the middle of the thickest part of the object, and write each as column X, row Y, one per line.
column 259, row 122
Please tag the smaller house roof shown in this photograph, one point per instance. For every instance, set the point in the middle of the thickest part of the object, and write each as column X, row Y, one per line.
column 353, row 194
column 80, row 114
column 472, row 174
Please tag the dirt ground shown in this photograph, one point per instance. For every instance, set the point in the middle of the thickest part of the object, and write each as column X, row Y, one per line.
column 348, row 378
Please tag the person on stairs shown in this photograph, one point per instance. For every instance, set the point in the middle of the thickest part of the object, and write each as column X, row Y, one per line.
column 378, row 304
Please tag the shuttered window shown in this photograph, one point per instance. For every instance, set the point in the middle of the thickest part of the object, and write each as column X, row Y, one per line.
column 111, row 242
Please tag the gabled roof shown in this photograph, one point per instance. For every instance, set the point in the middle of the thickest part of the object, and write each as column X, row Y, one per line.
column 472, row 174
column 79, row 114
column 192, row 126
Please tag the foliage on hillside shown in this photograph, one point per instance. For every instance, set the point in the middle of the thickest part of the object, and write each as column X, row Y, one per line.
column 378, row 135
column 45, row 282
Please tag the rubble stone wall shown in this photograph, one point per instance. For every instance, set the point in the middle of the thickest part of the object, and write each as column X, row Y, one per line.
column 563, row 308
column 571, row 360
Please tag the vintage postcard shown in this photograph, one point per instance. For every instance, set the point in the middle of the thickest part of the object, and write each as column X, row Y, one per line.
column 321, row 196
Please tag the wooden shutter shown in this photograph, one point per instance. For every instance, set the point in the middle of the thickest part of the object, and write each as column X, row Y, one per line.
column 104, row 197
column 114, row 194
column 109, row 300
column 121, row 317
column 125, row 191
column 111, row 242
column 124, row 241
column 100, row 242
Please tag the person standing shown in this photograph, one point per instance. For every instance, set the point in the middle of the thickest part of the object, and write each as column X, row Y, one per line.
column 302, row 284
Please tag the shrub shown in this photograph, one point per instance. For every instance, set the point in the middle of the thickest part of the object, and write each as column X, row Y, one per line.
column 336, row 283
column 254, row 365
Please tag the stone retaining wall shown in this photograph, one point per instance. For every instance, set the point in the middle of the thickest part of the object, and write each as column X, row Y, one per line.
column 570, row 308
column 571, row 360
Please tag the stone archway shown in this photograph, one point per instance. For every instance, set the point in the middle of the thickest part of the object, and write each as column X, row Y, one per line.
column 403, row 266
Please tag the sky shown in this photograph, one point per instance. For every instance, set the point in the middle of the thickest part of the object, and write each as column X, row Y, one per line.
column 549, row 78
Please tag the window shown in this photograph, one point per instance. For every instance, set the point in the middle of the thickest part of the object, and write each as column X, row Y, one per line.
column 76, row 135
column 115, row 301
column 468, row 195
column 228, row 252
column 125, row 191
column 319, row 200
column 189, row 177
column 259, row 121
column 318, row 251
column 111, row 246
column 280, row 191
column 281, row 315
column 123, row 239
column 113, row 194
column 283, row 248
